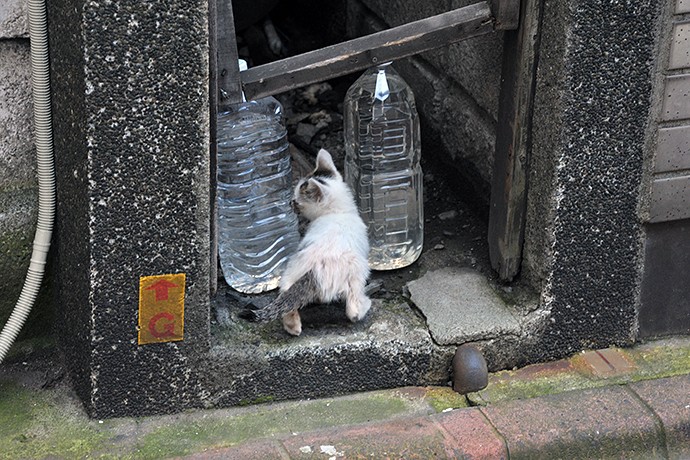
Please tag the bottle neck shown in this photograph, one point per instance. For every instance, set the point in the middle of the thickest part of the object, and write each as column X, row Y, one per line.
column 381, row 90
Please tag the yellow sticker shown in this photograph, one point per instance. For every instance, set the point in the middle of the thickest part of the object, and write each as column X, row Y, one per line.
column 161, row 308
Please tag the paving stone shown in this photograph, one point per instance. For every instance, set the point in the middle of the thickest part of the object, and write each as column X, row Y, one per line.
column 251, row 451
column 447, row 294
column 670, row 399
column 472, row 435
column 608, row 362
column 416, row 438
column 600, row 423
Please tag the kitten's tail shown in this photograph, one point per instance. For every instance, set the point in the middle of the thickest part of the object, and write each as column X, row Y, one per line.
column 300, row 294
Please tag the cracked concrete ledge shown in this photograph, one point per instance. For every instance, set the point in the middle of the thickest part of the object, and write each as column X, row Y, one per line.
column 394, row 346
column 251, row 362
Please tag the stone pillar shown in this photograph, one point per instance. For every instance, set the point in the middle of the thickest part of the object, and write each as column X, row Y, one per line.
column 130, row 86
column 591, row 116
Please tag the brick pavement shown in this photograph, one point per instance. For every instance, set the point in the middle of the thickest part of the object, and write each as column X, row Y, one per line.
column 646, row 420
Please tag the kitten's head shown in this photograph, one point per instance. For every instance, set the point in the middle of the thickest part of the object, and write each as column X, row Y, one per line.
column 323, row 192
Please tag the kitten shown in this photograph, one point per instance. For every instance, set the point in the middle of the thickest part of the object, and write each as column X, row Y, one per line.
column 331, row 260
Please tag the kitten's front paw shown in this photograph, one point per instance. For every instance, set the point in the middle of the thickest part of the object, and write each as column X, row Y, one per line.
column 359, row 310
column 292, row 323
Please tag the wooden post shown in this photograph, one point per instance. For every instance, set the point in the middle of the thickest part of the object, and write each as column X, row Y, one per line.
column 506, row 13
column 509, row 187
column 224, row 88
column 228, row 71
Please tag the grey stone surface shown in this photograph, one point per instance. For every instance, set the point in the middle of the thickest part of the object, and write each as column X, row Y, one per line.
column 460, row 306
column 673, row 149
column 18, row 187
column 583, row 244
column 670, row 199
column 130, row 85
column 676, row 105
column 14, row 19
column 680, row 46
column 17, row 162
column 390, row 347
column 682, row 6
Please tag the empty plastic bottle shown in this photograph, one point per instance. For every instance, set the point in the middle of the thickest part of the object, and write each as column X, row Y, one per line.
column 256, row 224
column 382, row 165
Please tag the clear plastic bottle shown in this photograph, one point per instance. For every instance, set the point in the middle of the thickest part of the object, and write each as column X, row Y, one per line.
column 382, row 165
column 256, row 224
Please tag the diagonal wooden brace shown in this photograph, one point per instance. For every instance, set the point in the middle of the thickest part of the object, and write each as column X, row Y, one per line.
column 387, row 45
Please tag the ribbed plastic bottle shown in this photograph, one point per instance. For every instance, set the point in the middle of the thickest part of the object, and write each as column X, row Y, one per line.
column 382, row 165
column 256, row 224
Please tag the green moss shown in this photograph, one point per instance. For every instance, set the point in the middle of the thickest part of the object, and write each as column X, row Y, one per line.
column 258, row 400
column 33, row 426
column 441, row 398
column 188, row 434
column 661, row 361
column 506, row 385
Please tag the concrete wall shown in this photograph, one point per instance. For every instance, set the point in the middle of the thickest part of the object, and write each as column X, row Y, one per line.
column 456, row 87
column 18, row 187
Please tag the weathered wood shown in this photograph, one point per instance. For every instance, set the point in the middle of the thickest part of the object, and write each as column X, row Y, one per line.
column 361, row 53
column 228, row 75
column 509, row 187
column 213, row 148
column 224, row 89
column 506, row 13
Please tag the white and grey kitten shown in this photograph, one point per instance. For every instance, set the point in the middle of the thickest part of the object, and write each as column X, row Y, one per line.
column 331, row 260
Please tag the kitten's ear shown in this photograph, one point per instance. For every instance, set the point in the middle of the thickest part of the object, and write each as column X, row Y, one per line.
column 325, row 165
column 312, row 190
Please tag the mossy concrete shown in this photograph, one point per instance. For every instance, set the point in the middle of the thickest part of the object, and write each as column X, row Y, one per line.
column 444, row 398
column 654, row 360
column 42, row 418
column 50, row 423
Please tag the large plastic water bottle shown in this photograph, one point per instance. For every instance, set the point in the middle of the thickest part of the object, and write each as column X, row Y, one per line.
column 382, row 165
column 256, row 224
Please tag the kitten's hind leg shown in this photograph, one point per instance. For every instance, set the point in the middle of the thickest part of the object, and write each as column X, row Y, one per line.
column 357, row 304
column 292, row 323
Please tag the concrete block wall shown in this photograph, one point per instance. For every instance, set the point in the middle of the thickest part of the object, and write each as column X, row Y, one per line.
column 670, row 186
column 665, row 308
column 456, row 87
column 18, row 186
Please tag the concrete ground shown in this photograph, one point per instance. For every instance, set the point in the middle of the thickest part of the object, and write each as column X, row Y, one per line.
column 612, row 403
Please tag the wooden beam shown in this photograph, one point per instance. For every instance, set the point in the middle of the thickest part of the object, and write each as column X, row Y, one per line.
column 511, row 161
column 361, row 53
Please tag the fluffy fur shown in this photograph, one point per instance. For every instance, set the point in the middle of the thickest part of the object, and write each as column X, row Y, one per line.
column 331, row 260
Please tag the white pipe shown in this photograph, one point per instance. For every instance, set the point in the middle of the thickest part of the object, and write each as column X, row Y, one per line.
column 43, row 138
